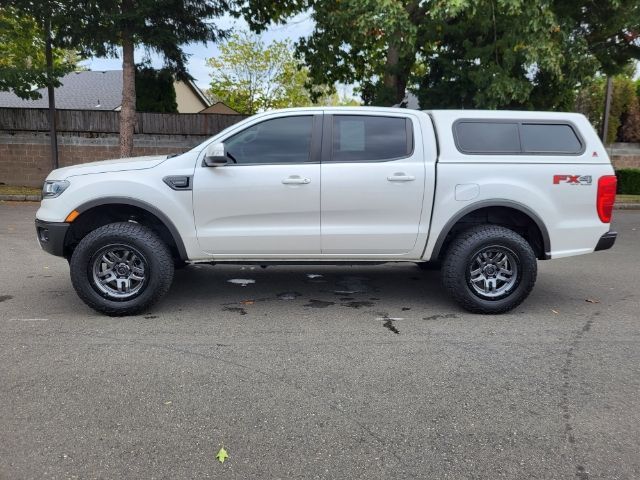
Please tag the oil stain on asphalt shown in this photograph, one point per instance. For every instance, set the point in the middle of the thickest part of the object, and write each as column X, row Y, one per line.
column 289, row 295
column 388, row 324
column 441, row 315
column 358, row 304
column 319, row 304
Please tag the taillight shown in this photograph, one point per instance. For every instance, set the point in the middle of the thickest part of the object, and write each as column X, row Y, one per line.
column 606, row 197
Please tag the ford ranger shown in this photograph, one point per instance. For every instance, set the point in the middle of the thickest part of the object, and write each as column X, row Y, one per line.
column 482, row 195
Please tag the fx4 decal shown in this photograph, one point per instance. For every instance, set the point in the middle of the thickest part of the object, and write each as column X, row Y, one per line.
column 572, row 179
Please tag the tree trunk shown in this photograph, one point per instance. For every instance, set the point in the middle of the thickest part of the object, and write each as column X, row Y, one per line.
column 128, row 109
column 53, row 133
column 608, row 93
column 395, row 77
column 390, row 76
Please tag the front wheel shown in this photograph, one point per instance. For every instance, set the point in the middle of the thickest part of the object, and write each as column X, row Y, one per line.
column 489, row 269
column 121, row 268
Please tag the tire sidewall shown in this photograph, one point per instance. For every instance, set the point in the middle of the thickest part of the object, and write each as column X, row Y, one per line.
column 527, row 272
column 82, row 272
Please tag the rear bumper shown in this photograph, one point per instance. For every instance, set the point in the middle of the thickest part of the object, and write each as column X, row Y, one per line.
column 606, row 241
column 51, row 236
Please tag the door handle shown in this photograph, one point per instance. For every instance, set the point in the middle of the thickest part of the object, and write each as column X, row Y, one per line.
column 296, row 180
column 400, row 177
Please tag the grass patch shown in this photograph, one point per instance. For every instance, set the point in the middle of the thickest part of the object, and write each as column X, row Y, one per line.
column 628, row 198
column 11, row 190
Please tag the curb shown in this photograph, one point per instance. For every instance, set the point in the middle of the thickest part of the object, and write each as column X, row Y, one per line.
column 627, row 206
column 20, row 198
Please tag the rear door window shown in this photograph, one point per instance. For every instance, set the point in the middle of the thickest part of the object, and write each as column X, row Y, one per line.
column 361, row 138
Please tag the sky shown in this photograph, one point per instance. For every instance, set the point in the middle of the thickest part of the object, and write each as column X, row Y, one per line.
column 299, row 26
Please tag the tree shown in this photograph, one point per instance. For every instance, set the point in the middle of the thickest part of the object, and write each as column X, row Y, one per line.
column 250, row 76
column 155, row 91
column 371, row 43
column 532, row 55
column 590, row 101
column 631, row 124
column 496, row 54
column 116, row 27
column 623, row 116
column 34, row 61
column 463, row 53
column 22, row 54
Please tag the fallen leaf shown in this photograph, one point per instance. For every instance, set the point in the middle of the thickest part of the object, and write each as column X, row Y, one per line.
column 222, row 455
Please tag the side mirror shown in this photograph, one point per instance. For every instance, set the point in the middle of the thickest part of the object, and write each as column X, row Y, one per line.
column 215, row 156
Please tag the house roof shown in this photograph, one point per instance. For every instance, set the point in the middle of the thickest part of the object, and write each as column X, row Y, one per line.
column 199, row 93
column 85, row 90
column 79, row 91
column 220, row 107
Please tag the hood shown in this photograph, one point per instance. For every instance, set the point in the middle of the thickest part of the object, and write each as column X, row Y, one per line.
column 121, row 164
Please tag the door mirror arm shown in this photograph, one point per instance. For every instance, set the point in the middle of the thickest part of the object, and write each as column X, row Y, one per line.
column 215, row 161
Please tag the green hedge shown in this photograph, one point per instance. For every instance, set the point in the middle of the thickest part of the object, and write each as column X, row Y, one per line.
column 628, row 181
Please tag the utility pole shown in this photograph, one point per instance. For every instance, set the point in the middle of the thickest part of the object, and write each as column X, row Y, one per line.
column 607, row 108
column 51, row 94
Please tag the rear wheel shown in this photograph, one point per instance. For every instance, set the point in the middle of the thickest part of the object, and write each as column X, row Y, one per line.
column 489, row 269
column 121, row 268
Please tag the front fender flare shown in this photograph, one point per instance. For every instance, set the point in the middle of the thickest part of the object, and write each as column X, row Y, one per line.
column 134, row 202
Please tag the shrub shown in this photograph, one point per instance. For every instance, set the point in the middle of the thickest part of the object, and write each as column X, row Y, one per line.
column 590, row 102
column 631, row 123
column 628, row 181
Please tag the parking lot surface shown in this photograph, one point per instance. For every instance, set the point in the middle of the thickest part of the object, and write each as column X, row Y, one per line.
column 320, row 372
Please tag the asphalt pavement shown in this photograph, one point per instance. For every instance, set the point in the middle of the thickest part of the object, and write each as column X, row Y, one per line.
column 363, row 372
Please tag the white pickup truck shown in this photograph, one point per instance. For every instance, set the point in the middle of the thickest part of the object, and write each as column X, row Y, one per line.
column 482, row 194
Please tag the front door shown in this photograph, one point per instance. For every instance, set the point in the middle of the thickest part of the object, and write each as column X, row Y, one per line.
column 373, row 177
column 266, row 203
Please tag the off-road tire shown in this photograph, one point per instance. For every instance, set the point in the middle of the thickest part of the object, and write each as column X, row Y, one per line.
column 459, row 257
column 158, row 273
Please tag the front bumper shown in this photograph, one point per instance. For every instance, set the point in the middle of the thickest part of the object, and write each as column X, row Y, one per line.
column 51, row 236
column 606, row 241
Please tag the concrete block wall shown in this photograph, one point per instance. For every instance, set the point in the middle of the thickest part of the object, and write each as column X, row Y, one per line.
column 25, row 159
column 624, row 155
column 25, row 156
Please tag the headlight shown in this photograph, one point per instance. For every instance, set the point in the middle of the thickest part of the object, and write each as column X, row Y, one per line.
column 53, row 188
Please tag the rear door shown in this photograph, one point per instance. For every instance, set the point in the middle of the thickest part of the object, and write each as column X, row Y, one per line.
column 373, row 177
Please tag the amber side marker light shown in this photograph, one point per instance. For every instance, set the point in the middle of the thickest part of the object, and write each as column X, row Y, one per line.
column 72, row 216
